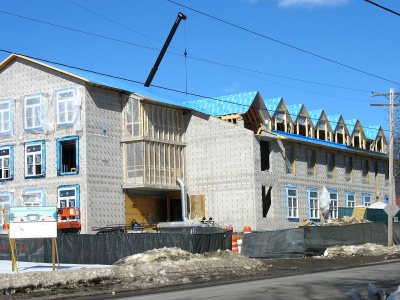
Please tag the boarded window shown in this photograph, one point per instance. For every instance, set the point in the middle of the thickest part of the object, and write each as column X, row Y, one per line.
column 264, row 149
column 266, row 200
column 310, row 162
column 289, row 158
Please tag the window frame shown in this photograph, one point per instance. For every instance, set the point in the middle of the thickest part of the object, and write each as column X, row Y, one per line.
column 66, row 123
column 314, row 167
column 28, row 191
column 295, row 212
column 59, row 155
column 10, row 117
column 364, row 195
column 10, row 163
column 347, row 199
column 330, row 174
column 42, row 106
column 348, row 175
column 334, row 210
column 43, row 159
column 315, row 209
column 75, row 187
column 292, row 159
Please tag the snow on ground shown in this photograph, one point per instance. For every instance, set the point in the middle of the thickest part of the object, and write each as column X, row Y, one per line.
column 5, row 267
column 152, row 269
column 362, row 250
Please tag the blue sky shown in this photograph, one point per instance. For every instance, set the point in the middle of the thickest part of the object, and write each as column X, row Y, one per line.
column 350, row 31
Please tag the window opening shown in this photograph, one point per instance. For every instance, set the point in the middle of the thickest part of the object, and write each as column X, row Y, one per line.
column 310, row 162
column 5, row 169
column 264, row 149
column 68, row 154
column 5, row 116
column 289, row 157
column 313, row 204
column 34, row 156
column 292, row 203
column 350, row 200
column 365, row 170
column 330, row 165
column 334, row 212
column 266, row 200
column 348, row 166
column 339, row 138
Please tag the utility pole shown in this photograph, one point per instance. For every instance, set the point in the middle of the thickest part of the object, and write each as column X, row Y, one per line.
column 391, row 159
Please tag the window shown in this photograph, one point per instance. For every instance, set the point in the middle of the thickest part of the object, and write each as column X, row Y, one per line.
column 266, row 200
column 334, row 205
column 386, row 199
column 7, row 163
column 348, row 161
column 34, row 197
column 330, row 165
column 292, row 204
column 35, row 160
column 68, row 155
column 66, row 106
column 264, row 149
column 289, row 158
column 68, row 196
column 6, row 116
column 6, row 201
column 350, row 201
column 133, row 120
column 365, row 170
column 34, row 114
column 310, row 162
column 366, row 199
column 313, row 204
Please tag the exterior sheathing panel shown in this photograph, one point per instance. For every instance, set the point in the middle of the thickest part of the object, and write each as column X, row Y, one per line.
column 104, row 152
column 278, row 179
column 22, row 78
column 220, row 165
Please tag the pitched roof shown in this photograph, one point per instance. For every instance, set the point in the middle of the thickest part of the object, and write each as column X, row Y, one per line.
column 294, row 110
column 315, row 115
column 333, row 120
column 104, row 81
column 351, row 124
column 272, row 104
column 223, row 105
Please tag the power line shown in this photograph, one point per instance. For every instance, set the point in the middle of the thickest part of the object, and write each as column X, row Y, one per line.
column 383, row 7
column 142, row 83
column 188, row 56
column 284, row 43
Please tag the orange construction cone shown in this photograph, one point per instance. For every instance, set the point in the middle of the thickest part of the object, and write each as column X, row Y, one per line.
column 235, row 248
column 246, row 229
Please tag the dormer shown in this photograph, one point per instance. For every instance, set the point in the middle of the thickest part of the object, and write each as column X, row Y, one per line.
column 376, row 140
column 301, row 120
column 357, row 136
column 340, row 132
column 281, row 119
column 322, row 128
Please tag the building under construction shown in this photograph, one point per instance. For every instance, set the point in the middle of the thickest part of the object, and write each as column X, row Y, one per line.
column 71, row 138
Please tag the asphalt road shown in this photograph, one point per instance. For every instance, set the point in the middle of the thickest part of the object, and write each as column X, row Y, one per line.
column 333, row 284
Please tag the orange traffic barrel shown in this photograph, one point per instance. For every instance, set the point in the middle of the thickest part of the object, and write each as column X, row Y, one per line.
column 246, row 229
column 235, row 248
column 229, row 228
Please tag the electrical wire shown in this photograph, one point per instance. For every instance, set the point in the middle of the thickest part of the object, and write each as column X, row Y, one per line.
column 283, row 43
column 155, row 86
column 179, row 54
column 383, row 7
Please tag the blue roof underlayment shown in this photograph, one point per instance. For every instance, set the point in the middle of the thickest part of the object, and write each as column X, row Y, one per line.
column 333, row 121
column 272, row 105
column 371, row 131
column 223, row 105
column 315, row 115
column 350, row 124
column 315, row 141
column 294, row 110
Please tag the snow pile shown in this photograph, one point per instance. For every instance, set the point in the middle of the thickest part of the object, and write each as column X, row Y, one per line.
column 152, row 269
column 345, row 221
column 362, row 250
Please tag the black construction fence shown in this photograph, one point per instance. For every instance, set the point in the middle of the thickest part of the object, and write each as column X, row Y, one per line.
column 108, row 248
column 313, row 240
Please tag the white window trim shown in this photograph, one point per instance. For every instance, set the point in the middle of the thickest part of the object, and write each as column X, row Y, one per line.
column 68, row 198
column 41, row 152
column 40, row 105
column 7, row 113
column 353, row 201
column 10, row 162
column 33, row 191
column 292, row 212
column 58, row 101
column 363, row 199
column 313, row 213
column 334, row 209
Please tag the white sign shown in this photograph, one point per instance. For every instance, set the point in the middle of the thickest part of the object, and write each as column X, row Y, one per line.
column 33, row 222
